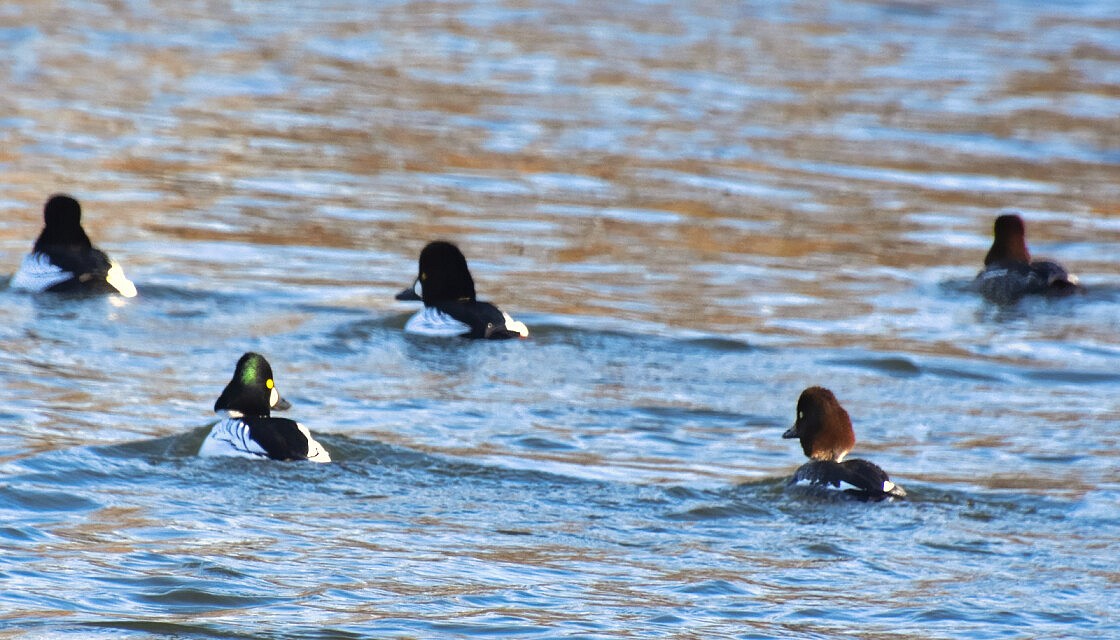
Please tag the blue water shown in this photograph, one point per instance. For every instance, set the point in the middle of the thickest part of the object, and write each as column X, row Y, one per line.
column 699, row 209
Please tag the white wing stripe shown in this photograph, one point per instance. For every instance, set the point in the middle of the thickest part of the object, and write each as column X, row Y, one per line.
column 230, row 437
column 430, row 321
column 118, row 281
column 38, row 273
column 515, row 326
column 315, row 451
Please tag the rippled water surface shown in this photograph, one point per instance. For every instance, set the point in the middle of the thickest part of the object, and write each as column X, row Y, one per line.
column 699, row 208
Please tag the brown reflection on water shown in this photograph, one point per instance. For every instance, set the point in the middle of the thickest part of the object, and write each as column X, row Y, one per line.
column 591, row 156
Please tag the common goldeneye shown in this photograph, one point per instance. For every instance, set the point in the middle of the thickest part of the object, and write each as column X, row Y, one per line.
column 826, row 435
column 450, row 308
column 63, row 258
column 1009, row 274
column 247, row 429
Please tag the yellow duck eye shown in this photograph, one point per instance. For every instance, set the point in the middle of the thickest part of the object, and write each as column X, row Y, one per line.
column 269, row 383
column 423, row 276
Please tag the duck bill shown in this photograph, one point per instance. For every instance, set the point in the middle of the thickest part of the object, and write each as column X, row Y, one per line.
column 280, row 404
column 410, row 294
column 791, row 432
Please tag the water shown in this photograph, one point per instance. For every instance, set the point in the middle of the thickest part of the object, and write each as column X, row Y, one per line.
column 699, row 208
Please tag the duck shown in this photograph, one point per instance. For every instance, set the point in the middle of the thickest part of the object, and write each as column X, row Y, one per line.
column 64, row 260
column 826, row 436
column 1009, row 274
column 451, row 308
column 247, row 428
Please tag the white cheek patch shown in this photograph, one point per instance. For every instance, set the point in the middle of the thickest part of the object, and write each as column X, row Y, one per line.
column 418, row 289
column 274, row 397
column 888, row 486
column 118, row 281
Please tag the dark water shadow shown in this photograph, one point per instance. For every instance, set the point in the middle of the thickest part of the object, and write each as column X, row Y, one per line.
column 908, row 366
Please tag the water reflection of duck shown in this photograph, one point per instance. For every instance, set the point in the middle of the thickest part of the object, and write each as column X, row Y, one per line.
column 64, row 260
column 826, row 435
column 1009, row 274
